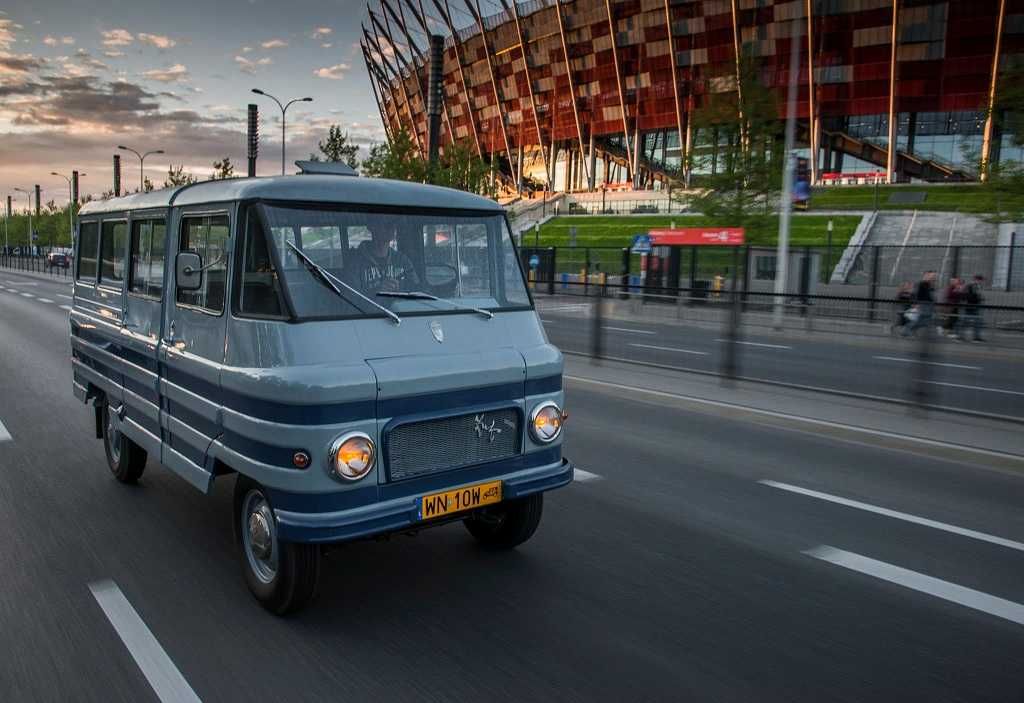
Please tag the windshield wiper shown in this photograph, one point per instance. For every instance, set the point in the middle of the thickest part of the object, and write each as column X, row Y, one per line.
column 420, row 295
column 328, row 279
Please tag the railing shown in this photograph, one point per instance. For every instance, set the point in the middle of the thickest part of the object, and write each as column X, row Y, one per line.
column 33, row 264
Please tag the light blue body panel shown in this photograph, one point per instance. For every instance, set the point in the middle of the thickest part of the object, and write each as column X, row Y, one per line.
column 207, row 394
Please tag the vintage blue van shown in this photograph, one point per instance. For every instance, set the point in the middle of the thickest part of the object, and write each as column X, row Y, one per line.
column 362, row 354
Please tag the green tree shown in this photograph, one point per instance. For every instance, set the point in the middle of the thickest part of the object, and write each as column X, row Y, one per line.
column 176, row 176
column 223, row 169
column 398, row 159
column 337, row 148
column 458, row 165
column 1003, row 179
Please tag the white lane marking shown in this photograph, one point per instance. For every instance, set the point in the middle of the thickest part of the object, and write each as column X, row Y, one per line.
column 961, row 595
column 66, row 297
column 673, row 349
column 5, row 436
column 156, row 666
column 581, row 475
column 543, row 320
column 22, row 283
column 45, row 300
column 974, row 388
column 65, row 307
column 930, row 363
column 627, row 329
column 27, row 295
column 799, row 418
column 907, row 517
column 757, row 344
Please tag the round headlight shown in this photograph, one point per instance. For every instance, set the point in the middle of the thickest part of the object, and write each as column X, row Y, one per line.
column 351, row 456
column 546, row 422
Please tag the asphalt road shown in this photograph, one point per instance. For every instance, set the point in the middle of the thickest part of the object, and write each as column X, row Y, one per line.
column 671, row 574
column 956, row 375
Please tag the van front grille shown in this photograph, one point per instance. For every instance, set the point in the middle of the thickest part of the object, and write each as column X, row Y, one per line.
column 431, row 446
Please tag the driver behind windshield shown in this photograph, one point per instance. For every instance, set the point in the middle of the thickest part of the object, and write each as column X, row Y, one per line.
column 379, row 267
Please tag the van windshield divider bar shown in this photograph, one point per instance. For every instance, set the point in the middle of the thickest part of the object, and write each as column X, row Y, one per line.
column 420, row 295
column 328, row 277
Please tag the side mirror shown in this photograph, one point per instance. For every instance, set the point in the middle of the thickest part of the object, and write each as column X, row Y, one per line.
column 188, row 271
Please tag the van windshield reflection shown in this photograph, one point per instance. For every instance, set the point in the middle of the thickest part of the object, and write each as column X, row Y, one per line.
column 407, row 262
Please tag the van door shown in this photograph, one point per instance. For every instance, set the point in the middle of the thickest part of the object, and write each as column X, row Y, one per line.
column 192, row 350
column 141, row 329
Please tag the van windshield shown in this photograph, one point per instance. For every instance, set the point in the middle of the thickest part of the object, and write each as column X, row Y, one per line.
column 465, row 261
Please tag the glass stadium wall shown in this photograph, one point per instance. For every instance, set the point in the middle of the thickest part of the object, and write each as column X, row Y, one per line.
column 575, row 95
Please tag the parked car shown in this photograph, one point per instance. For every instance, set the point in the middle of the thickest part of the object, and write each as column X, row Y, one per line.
column 58, row 260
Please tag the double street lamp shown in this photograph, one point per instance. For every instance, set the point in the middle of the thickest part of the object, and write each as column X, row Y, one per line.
column 71, row 201
column 284, row 109
column 142, row 162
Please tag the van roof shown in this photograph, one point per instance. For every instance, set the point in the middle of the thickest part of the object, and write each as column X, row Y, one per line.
column 306, row 188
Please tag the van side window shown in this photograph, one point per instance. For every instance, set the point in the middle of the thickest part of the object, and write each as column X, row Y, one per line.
column 88, row 244
column 149, row 241
column 112, row 245
column 260, row 293
column 207, row 236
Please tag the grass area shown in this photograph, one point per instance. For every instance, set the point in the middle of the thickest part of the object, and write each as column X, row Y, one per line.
column 952, row 198
column 618, row 231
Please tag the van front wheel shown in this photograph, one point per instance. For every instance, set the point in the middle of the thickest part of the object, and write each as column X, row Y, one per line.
column 282, row 576
column 126, row 459
column 507, row 524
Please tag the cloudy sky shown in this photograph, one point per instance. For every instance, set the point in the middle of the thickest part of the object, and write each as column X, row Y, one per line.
column 79, row 77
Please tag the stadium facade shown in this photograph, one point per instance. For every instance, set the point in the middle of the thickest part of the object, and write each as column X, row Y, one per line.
column 579, row 94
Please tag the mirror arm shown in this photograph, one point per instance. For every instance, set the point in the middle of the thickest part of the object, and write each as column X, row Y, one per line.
column 188, row 270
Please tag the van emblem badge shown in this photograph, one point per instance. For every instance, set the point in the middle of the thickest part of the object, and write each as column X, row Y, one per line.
column 437, row 331
column 480, row 426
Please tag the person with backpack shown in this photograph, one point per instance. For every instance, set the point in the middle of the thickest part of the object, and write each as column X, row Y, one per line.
column 973, row 300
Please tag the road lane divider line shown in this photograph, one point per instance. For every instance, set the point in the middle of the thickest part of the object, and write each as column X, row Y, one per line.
column 161, row 673
column 27, row 295
column 756, row 344
column 627, row 329
column 65, row 307
column 906, row 517
column 672, row 349
column 922, row 583
column 581, row 475
column 66, row 297
column 930, row 363
column 45, row 300
column 974, row 388
column 856, row 434
column 5, row 436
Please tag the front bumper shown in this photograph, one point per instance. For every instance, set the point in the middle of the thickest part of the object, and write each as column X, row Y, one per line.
column 400, row 514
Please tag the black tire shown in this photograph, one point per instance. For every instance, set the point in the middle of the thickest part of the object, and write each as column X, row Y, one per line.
column 507, row 524
column 126, row 459
column 292, row 583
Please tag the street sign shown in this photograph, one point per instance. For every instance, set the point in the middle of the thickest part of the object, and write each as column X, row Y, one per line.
column 534, row 261
column 728, row 236
column 641, row 244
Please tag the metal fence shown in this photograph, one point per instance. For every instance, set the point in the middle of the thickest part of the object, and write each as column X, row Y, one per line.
column 847, row 345
column 33, row 264
column 876, row 272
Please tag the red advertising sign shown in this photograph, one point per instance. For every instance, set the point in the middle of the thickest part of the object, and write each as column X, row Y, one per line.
column 727, row 236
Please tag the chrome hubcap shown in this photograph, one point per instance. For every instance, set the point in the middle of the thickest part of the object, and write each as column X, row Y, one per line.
column 113, row 437
column 259, row 536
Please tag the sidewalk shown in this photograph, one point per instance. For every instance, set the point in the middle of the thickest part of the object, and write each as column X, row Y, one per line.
column 944, row 435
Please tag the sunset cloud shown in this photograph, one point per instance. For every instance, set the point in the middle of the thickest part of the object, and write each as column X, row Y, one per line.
column 334, row 73
column 157, row 40
column 246, row 65
column 117, row 37
column 322, row 32
column 274, row 44
column 7, row 37
column 173, row 74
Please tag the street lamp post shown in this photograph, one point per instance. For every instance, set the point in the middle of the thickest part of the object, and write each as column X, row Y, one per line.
column 142, row 162
column 71, row 202
column 284, row 109
column 29, row 194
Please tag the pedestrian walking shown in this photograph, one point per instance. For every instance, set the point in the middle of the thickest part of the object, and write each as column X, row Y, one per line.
column 923, row 311
column 973, row 299
column 953, row 298
column 904, row 301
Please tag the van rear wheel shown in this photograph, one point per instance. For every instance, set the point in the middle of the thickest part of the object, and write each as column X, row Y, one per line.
column 126, row 459
column 507, row 524
column 283, row 576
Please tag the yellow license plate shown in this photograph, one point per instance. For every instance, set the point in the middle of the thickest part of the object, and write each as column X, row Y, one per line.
column 437, row 504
